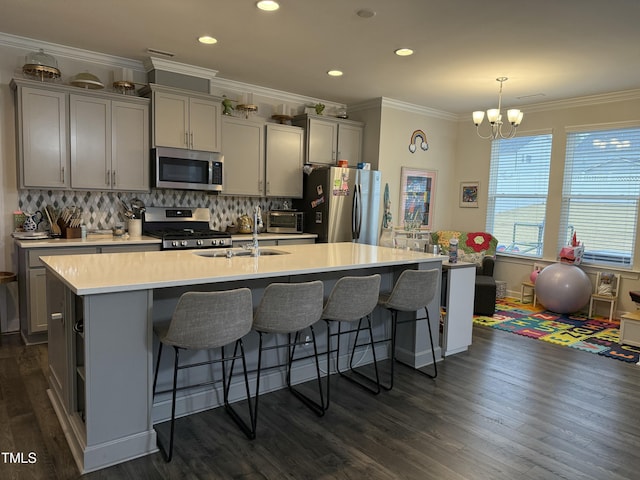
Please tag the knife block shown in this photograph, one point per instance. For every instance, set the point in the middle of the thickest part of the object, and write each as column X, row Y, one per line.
column 72, row 232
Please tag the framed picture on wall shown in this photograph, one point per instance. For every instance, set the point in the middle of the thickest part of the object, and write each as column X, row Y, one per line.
column 417, row 195
column 469, row 194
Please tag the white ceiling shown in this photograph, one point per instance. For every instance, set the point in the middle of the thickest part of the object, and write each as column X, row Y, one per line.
column 549, row 49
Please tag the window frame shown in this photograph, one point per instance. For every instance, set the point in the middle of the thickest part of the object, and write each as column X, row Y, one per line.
column 596, row 257
column 493, row 197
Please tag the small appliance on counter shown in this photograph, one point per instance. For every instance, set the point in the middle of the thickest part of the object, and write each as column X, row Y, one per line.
column 183, row 228
column 285, row 221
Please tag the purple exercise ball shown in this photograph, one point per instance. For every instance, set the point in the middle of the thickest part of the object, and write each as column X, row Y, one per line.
column 563, row 288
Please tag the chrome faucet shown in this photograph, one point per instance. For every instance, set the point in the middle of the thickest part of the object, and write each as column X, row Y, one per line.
column 257, row 221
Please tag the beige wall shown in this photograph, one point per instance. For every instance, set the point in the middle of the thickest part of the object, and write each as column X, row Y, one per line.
column 474, row 156
column 396, row 128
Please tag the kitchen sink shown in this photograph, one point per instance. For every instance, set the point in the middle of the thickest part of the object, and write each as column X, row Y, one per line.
column 238, row 252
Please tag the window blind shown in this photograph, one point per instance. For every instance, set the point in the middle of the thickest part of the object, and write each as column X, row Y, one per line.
column 600, row 194
column 517, row 193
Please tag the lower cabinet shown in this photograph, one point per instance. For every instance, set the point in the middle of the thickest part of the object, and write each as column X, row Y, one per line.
column 92, row 344
column 32, row 284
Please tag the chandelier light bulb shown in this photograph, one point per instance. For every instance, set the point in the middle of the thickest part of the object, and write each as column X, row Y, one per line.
column 478, row 116
column 493, row 115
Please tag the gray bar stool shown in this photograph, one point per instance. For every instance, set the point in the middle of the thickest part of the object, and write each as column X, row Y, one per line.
column 413, row 291
column 204, row 321
column 288, row 308
column 351, row 300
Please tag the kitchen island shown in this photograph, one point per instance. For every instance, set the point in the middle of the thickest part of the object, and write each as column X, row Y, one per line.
column 101, row 345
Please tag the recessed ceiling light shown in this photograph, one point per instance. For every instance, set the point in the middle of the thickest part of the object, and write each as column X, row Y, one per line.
column 403, row 52
column 335, row 73
column 365, row 13
column 207, row 40
column 268, row 5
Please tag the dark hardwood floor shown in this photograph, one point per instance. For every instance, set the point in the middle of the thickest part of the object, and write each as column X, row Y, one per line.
column 509, row 408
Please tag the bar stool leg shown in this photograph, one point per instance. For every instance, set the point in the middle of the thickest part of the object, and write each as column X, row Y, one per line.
column 394, row 328
column 168, row 455
column 318, row 407
column 248, row 430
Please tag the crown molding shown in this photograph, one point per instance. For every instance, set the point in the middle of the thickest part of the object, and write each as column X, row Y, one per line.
column 279, row 95
column 586, row 101
column 62, row 51
column 384, row 102
column 154, row 63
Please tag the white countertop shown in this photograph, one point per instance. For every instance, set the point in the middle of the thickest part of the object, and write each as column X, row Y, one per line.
column 103, row 240
column 106, row 273
column 91, row 241
column 272, row 236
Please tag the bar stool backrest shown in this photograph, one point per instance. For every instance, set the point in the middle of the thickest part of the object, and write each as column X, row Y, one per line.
column 289, row 307
column 413, row 290
column 352, row 298
column 204, row 320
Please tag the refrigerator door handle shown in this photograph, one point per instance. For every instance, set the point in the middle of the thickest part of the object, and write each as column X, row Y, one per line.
column 357, row 211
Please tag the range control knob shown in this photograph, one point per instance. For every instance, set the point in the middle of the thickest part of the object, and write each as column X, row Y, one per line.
column 199, row 243
column 174, row 243
column 184, row 243
column 214, row 243
column 222, row 242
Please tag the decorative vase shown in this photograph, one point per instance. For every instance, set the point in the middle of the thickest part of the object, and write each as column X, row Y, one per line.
column 31, row 221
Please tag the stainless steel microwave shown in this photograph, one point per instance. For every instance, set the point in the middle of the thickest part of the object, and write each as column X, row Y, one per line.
column 284, row 221
column 187, row 169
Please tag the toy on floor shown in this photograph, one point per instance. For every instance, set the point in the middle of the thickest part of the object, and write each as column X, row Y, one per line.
column 563, row 288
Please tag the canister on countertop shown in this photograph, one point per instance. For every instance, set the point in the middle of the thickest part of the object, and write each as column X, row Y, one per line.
column 453, row 250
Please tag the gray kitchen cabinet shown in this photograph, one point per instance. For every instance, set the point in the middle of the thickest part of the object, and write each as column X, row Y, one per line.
column 284, row 159
column 262, row 159
column 243, row 150
column 41, row 136
column 32, row 283
column 183, row 119
column 59, row 334
column 329, row 139
column 72, row 140
column 130, row 146
column 109, row 143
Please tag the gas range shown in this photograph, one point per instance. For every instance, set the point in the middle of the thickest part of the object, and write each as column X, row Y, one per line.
column 183, row 228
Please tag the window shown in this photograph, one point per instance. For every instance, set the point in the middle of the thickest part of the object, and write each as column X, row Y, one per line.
column 517, row 198
column 600, row 194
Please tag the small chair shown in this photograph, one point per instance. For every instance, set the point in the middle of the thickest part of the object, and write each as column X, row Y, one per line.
column 203, row 321
column 413, row 291
column 289, row 308
column 352, row 299
column 606, row 290
column 528, row 288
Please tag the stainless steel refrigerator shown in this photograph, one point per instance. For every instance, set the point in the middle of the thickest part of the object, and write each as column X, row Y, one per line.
column 342, row 204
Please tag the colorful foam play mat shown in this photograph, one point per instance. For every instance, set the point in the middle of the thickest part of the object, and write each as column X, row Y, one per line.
column 595, row 335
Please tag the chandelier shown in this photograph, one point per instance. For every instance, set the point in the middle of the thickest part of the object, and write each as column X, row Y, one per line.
column 495, row 118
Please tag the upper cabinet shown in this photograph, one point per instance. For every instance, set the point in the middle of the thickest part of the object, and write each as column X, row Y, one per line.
column 331, row 139
column 262, row 159
column 284, row 159
column 243, row 150
column 185, row 119
column 41, row 129
column 71, row 138
column 109, row 144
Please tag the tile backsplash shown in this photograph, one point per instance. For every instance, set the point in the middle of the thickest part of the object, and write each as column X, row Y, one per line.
column 102, row 210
